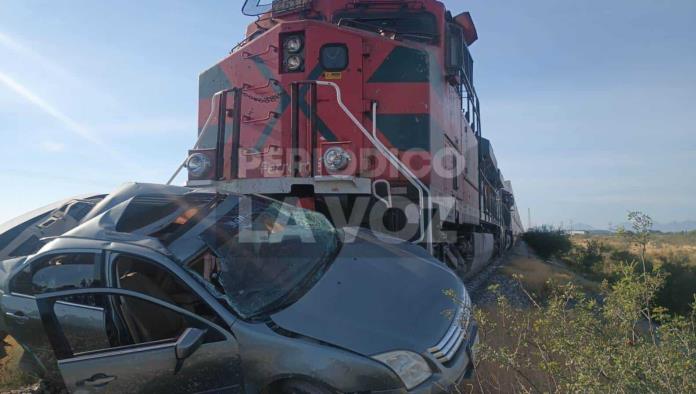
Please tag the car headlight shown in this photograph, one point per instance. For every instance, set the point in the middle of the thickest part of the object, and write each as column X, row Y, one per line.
column 293, row 44
column 410, row 367
column 198, row 164
column 336, row 159
column 293, row 63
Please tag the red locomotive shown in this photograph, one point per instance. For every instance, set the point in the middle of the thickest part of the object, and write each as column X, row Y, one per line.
column 364, row 110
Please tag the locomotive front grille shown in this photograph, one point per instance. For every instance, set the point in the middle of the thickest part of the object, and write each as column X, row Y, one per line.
column 448, row 346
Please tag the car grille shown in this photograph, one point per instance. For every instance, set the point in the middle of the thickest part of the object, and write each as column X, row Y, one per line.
column 448, row 346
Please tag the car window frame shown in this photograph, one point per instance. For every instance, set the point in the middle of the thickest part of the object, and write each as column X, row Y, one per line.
column 52, row 253
column 173, row 269
column 61, row 345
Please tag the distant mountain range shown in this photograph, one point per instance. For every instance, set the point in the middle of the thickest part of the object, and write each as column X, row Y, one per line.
column 672, row 227
column 582, row 227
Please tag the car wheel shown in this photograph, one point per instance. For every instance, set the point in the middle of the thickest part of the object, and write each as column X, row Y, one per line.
column 300, row 387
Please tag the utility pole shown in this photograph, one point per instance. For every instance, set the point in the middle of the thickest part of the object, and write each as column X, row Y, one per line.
column 529, row 218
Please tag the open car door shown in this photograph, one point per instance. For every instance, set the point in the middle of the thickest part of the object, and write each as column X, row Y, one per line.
column 117, row 341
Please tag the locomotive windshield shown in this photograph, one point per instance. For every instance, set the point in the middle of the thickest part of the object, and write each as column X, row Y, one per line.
column 260, row 7
column 421, row 27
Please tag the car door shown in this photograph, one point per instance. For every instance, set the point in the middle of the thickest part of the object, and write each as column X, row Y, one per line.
column 56, row 271
column 111, row 340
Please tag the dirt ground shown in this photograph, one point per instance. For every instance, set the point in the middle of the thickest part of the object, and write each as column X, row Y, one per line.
column 519, row 269
column 11, row 379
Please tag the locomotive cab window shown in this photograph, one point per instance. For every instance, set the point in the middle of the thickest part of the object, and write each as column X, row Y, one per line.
column 420, row 26
column 455, row 49
column 334, row 57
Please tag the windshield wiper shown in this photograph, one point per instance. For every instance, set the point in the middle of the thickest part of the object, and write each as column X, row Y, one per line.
column 425, row 36
column 382, row 30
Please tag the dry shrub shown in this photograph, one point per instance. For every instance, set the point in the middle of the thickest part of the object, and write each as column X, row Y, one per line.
column 11, row 378
column 572, row 343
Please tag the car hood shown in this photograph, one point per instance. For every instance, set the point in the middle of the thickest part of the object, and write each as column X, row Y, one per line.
column 377, row 297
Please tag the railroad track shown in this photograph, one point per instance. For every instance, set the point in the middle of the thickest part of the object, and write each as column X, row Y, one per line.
column 477, row 283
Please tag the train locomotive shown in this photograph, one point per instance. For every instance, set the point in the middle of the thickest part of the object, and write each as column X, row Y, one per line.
column 364, row 110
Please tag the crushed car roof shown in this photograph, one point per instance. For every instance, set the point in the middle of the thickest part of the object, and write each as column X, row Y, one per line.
column 98, row 220
column 102, row 223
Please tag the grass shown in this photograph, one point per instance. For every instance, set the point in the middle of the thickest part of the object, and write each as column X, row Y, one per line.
column 597, row 257
column 11, row 378
column 489, row 377
column 681, row 245
column 535, row 275
column 591, row 344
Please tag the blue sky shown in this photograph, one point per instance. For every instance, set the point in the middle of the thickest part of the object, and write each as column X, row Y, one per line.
column 588, row 103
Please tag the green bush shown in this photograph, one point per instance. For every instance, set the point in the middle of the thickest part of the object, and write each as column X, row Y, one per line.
column 621, row 256
column 591, row 255
column 574, row 343
column 679, row 288
column 547, row 242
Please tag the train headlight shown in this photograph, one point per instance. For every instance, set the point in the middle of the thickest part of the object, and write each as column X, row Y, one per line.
column 198, row 164
column 293, row 63
column 293, row 44
column 336, row 159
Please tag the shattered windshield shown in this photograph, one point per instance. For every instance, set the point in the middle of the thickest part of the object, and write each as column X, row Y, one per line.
column 260, row 7
column 266, row 253
column 269, row 253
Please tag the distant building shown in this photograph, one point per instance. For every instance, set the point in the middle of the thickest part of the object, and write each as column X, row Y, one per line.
column 578, row 232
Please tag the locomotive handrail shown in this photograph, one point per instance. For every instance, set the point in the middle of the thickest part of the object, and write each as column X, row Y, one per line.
column 404, row 171
column 401, row 167
column 250, row 88
column 249, row 55
column 295, row 125
column 388, row 200
column 222, row 94
column 200, row 137
column 271, row 114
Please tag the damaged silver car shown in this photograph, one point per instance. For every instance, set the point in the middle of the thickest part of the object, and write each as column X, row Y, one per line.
column 161, row 289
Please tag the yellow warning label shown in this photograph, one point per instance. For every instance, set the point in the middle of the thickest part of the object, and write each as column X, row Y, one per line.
column 333, row 75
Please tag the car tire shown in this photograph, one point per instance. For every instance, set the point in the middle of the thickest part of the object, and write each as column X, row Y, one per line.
column 301, row 387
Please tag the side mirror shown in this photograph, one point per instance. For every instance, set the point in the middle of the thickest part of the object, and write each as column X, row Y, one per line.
column 188, row 343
